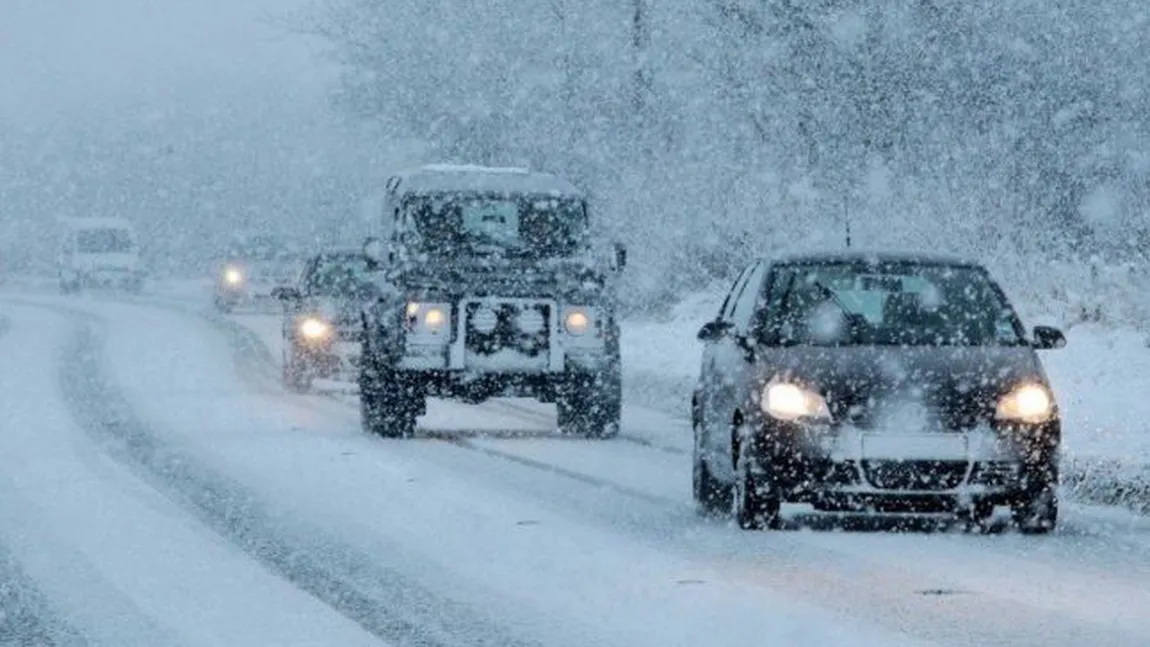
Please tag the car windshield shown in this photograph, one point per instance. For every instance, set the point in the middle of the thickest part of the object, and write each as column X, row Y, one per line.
column 104, row 241
column 911, row 304
column 262, row 251
column 346, row 273
column 532, row 226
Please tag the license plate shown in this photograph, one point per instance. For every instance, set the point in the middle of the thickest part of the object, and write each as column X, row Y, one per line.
column 940, row 446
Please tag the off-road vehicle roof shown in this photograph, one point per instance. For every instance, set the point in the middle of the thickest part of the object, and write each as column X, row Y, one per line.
column 448, row 178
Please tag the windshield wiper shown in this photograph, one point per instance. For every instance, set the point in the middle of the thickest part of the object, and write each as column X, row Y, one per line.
column 855, row 321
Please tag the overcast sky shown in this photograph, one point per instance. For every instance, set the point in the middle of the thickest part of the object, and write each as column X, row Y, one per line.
column 58, row 57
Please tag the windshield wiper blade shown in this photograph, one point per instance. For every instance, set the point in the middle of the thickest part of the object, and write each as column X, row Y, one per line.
column 854, row 319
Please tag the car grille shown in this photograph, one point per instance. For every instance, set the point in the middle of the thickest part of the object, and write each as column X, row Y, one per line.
column 915, row 475
column 494, row 327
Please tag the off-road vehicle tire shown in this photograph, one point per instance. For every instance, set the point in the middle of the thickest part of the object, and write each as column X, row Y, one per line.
column 386, row 408
column 591, row 406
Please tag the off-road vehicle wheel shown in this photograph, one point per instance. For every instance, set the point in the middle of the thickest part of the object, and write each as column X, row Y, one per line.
column 386, row 408
column 591, row 406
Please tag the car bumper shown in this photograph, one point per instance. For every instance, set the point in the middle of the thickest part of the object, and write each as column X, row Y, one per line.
column 334, row 360
column 853, row 469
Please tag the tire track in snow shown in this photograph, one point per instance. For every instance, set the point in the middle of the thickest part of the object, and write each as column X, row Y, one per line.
column 382, row 601
column 26, row 617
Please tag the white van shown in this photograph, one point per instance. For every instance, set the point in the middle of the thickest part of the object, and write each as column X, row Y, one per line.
column 98, row 252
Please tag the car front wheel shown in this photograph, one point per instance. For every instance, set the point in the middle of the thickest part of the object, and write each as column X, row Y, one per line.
column 1035, row 511
column 711, row 495
column 756, row 503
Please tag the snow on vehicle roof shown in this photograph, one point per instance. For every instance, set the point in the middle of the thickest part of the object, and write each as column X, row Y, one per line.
column 448, row 178
column 872, row 256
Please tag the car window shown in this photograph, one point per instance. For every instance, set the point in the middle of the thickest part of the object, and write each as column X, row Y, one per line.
column 332, row 275
column 909, row 304
column 747, row 299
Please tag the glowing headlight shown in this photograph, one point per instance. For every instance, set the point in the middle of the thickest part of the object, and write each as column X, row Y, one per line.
column 785, row 401
column 577, row 322
column 313, row 328
column 424, row 318
column 1030, row 403
column 232, row 276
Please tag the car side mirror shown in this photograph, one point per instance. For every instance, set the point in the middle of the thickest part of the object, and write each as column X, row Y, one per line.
column 286, row 293
column 620, row 256
column 714, row 330
column 1048, row 337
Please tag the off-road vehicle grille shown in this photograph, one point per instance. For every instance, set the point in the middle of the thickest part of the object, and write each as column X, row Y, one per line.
column 500, row 326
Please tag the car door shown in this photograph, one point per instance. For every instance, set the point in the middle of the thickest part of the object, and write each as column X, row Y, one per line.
column 715, row 352
column 731, row 369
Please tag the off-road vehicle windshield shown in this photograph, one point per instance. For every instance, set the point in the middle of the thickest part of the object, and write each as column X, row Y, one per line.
column 905, row 304
column 453, row 225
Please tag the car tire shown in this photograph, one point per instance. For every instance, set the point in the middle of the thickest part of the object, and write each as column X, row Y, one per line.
column 386, row 408
column 222, row 306
column 296, row 377
column 711, row 495
column 591, row 406
column 1035, row 512
column 756, row 503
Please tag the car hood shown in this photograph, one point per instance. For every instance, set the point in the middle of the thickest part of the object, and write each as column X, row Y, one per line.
column 956, row 387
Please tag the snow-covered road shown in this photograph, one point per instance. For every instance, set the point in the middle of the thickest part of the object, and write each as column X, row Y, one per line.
column 157, row 486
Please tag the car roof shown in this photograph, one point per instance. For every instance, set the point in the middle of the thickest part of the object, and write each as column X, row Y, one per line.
column 339, row 252
column 873, row 257
column 449, row 178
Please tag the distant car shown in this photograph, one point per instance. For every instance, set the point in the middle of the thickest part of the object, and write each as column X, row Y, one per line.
column 321, row 319
column 875, row 383
column 98, row 253
column 251, row 269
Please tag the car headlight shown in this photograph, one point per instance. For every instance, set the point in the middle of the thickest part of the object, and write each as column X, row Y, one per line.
column 577, row 321
column 313, row 328
column 1029, row 403
column 233, row 276
column 786, row 401
column 427, row 318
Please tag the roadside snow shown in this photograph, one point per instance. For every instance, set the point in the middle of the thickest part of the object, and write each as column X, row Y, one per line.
column 121, row 562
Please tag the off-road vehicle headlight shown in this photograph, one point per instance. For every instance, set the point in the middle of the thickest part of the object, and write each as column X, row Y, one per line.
column 578, row 320
column 788, row 402
column 1030, row 403
column 428, row 318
